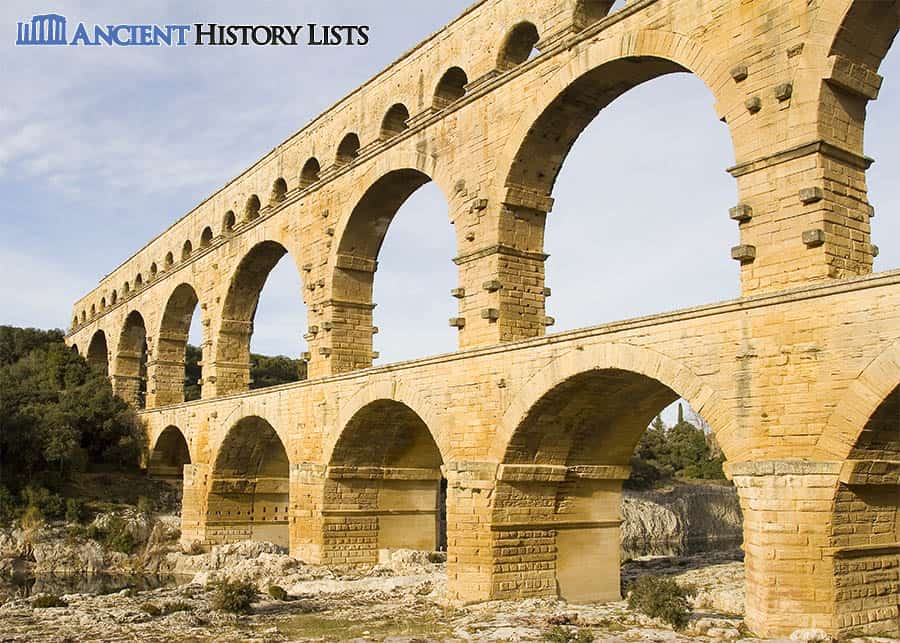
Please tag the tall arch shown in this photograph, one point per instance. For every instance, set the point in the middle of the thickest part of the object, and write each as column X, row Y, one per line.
column 232, row 347
column 384, row 478
column 169, row 455
column 98, row 353
column 130, row 376
column 355, row 262
column 167, row 374
column 249, row 491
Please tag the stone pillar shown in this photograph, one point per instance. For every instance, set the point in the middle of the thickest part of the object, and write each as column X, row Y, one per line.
column 229, row 372
column 194, row 503
column 307, row 495
column 787, row 507
column 165, row 374
column 803, row 217
column 470, row 543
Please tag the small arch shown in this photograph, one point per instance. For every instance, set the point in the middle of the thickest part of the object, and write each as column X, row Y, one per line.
column 519, row 46
column 279, row 190
column 394, row 121
column 114, row 298
column 186, row 250
column 587, row 12
column 126, row 288
column 348, row 149
column 138, row 281
column 93, row 310
column 206, row 237
column 251, row 210
column 450, row 88
column 169, row 455
column 74, row 321
column 103, row 303
column 98, row 353
column 310, row 172
column 153, row 270
column 130, row 376
column 169, row 260
column 83, row 316
column 228, row 221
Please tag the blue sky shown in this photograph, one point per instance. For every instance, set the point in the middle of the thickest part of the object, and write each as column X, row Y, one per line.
column 101, row 149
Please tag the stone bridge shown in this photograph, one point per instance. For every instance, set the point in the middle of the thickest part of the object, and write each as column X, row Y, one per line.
column 525, row 438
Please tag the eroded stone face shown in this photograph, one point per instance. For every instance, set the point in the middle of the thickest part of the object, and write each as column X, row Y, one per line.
column 533, row 440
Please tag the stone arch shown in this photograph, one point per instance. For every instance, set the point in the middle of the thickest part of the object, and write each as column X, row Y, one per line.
column 310, row 172
column 186, row 250
column 383, row 480
column 575, row 95
column 587, row 12
column 251, row 209
column 279, row 190
column 518, row 45
column 98, row 353
column 138, row 281
column 169, row 260
column 114, row 298
column 93, row 310
column 168, row 455
column 348, row 149
column 126, row 288
column 355, row 260
column 228, row 222
column 576, row 424
column 168, row 377
column 858, row 404
column 394, row 121
column 249, row 490
column 153, row 271
column 232, row 347
column 206, row 237
column 103, row 303
column 867, row 32
column 130, row 376
column 450, row 88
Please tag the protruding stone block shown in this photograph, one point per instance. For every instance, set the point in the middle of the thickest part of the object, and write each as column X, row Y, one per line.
column 459, row 293
column 547, row 292
column 814, row 238
column 739, row 73
column 313, row 329
column 784, row 91
column 458, row 322
column 325, row 351
column 811, row 195
column 875, row 250
column 744, row 253
column 490, row 313
column 492, row 286
column 306, row 355
column 753, row 104
column 871, row 209
column 741, row 212
column 549, row 321
column 327, row 325
column 375, row 330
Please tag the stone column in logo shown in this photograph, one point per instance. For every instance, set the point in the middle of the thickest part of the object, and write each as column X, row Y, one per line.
column 48, row 29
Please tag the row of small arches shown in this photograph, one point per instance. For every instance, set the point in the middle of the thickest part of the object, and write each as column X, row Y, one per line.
column 518, row 48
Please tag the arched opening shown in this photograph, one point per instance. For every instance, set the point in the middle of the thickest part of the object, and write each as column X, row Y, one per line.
column 348, row 149
column 384, row 478
column 228, row 222
column 169, row 260
column 93, row 311
column 867, row 37
column 865, row 526
column 251, row 210
column 98, row 353
column 186, row 250
column 249, row 493
column 279, row 190
column 138, row 281
column 168, row 456
column 171, row 384
column 114, row 298
column 126, row 288
column 281, row 307
column 519, row 46
column 587, row 12
column 103, row 303
column 676, row 229
column 83, row 316
column 310, row 173
column 206, row 237
column 75, row 321
column 153, row 271
column 394, row 121
column 417, row 267
column 450, row 88
column 130, row 377
column 567, row 460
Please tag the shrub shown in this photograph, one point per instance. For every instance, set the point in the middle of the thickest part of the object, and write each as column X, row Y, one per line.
column 559, row 634
column 73, row 510
column 151, row 609
column 660, row 598
column 117, row 537
column 278, row 593
column 236, row 597
column 32, row 519
column 437, row 557
column 7, row 506
column 50, row 504
column 48, row 600
column 144, row 505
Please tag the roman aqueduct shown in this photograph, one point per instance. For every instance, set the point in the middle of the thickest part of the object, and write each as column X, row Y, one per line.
column 528, row 434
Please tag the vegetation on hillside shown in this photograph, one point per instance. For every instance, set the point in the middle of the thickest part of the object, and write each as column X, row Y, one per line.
column 264, row 371
column 682, row 451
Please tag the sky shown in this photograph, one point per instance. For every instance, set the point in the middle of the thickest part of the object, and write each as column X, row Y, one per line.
column 103, row 148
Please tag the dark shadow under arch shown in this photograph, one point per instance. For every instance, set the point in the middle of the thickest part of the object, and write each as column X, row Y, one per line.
column 170, row 380
column 98, row 353
column 169, row 455
column 130, row 377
